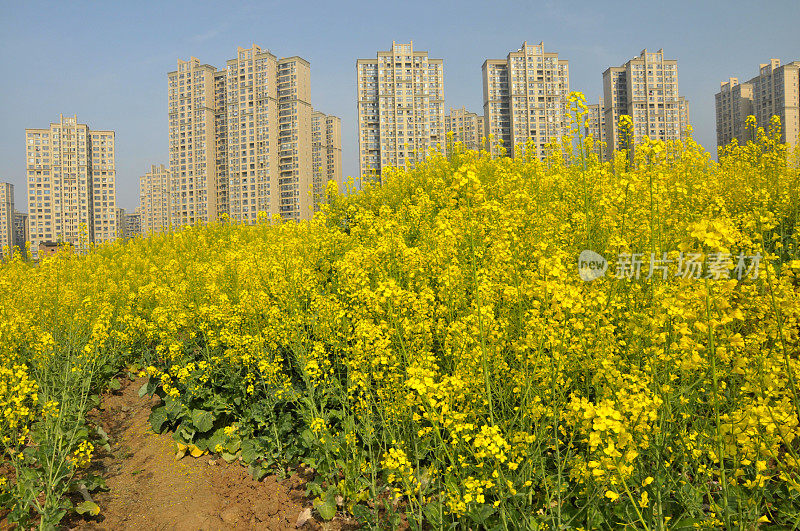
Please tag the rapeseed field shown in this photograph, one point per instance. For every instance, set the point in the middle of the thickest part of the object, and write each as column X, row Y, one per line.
column 431, row 348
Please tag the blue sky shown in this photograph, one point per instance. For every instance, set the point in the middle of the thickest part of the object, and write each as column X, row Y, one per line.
column 108, row 62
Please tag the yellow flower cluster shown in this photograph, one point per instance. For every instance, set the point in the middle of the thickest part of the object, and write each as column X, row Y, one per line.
column 82, row 456
column 432, row 336
column 18, row 403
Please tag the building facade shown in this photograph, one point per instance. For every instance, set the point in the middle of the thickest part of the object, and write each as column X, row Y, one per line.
column 595, row 126
column 733, row 104
column 154, row 199
column 133, row 225
column 240, row 139
column 646, row 89
column 248, row 135
column 400, row 108
column 525, row 98
column 192, row 143
column 21, row 231
column 774, row 91
column 71, row 177
column 467, row 128
column 683, row 116
column 120, row 223
column 326, row 145
column 6, row 220
column 295, row 177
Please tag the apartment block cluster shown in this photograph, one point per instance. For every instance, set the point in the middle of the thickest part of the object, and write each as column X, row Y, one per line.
column 13, row 224
column 71, row 181
column 245, row 141
column 775, row 91
column 401, row 113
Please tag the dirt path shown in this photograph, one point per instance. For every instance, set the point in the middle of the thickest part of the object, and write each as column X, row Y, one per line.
column 149, row 489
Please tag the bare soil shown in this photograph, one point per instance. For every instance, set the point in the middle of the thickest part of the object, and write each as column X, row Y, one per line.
column 150, row 489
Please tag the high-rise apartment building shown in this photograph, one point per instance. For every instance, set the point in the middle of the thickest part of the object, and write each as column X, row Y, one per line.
column 71, row 184
column 192, row 143
column 646, row 89
column 120, row 223
column 733, row 103
column 133, row 225
column 525, row 97
column 467, row 128
column 773, row 92
column 400, row 108
column 249, row 144
column 595, row 126
column 154, row 199
column 21, row 230
column 221, row 180
column 6, row 220
column 240, row 138
column 296, row 179
column 129, row 224
column 683, row 115
column 326, row 146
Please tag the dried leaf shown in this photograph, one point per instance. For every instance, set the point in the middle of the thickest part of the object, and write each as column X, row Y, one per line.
column 303, row 517
column 89, row 507
column 195, row 451
column 182, row 448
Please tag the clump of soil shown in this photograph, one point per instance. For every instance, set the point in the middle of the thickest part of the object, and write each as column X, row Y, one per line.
column 150, row 489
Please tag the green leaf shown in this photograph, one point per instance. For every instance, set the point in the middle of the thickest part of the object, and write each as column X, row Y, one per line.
column 364, row 515
column 202, row 443
column 202, row 420
column 251, row 450
column 158, row 417
column 481, row 513
column 326, row 509
column 94, row 482
column 114, row 384
column 173, row 407
column 234, row 445
column 101, row 433
column 94, row 400
column 89, row 507
column 433, row 514
column 229, row 458
column 149, row 387
column 314, row 487
column 214, row 440
column 257, row 471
